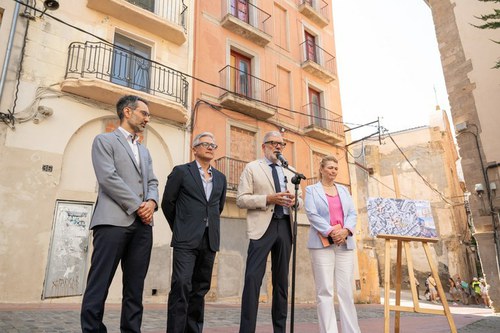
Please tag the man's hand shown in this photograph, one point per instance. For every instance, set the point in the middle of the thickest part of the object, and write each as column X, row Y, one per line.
column 146, row 210
column 285, row 199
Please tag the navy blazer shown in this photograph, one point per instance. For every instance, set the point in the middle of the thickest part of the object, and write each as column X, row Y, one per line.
column 187, row 209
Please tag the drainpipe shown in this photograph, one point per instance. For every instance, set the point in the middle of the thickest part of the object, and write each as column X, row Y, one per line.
column 492, row 212
column 9, row 48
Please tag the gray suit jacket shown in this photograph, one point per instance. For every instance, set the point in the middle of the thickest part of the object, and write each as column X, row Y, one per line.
column 123, row 185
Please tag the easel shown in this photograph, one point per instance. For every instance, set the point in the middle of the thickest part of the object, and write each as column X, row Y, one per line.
column 405, row 241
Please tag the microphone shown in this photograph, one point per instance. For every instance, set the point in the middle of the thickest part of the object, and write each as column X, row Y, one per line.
column 282, row 159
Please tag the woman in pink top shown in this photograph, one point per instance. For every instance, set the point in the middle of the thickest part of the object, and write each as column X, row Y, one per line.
column 332, row 217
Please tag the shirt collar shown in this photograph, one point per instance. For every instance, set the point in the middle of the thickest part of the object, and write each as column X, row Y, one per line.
column 200, row 168
column 128, row 135
column 268, row 162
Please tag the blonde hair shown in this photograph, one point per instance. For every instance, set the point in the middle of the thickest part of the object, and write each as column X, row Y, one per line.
column 324, row 160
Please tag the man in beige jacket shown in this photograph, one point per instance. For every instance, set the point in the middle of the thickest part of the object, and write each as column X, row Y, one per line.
column 266, row 192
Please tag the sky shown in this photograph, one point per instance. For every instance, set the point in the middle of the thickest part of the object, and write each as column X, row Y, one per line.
column 388, row 63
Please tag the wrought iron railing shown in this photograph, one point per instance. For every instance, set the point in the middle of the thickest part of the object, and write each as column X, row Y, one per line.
column 244, row 84
column 232, row 168
column 314, row 53
column 311, row 181
column 170, row 10
column 319, row 6
column 314, row 115
column 109, row 63
column 248, row 13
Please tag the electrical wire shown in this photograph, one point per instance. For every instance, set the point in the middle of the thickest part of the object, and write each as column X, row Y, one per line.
column 429, row 185
column 173, row 69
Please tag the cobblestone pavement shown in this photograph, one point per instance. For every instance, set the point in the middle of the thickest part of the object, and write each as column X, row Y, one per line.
column 224, row 318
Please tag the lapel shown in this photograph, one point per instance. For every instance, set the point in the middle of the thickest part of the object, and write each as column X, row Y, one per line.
column 195, row 173
column 216, row 183
column 124, row 143
column 267, row 171
column 322, row 195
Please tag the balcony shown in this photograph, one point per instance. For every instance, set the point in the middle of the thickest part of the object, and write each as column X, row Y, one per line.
column 104, row 73
column 246, row 93
column 165, row 18
column 322, row 124
column 318, row 62
column 315, row 10
column 232, row 169
column 247, row 20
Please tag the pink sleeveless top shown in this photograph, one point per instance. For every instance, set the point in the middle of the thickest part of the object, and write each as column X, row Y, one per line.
column 336, row 212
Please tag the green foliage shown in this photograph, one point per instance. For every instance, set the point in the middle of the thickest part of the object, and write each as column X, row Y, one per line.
column 490, row 21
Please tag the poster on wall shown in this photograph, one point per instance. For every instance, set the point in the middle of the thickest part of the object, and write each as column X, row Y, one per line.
column 65, row 274
column 400, row 217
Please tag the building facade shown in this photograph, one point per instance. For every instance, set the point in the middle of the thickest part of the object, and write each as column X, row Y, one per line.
column 386, row 173
column 271, row 66
column 468, row 55
column 236, row 68
column 65, row 70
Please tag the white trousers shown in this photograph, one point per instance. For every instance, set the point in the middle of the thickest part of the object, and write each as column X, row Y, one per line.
column 334, row 264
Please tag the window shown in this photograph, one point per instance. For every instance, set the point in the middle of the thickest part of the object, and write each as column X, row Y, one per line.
column 315, row 109
column 239, row 9
column 128, row 69
column 241, row 74
column 281, row 27
column 145, row 4
column 242, row 144
column 316, row 160
column 310, row 47
column 283, row 85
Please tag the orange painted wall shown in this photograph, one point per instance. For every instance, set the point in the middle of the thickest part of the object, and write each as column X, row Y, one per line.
column 212, row 49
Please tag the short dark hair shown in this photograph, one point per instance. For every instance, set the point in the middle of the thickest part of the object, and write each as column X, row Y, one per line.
column 128, row 101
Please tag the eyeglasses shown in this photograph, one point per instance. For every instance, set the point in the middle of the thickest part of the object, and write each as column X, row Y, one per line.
column 276, row 144
column 145, row 114
column 207, row 145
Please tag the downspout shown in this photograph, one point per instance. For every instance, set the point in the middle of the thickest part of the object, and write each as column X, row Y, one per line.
column 492, row 212
column 9, row 48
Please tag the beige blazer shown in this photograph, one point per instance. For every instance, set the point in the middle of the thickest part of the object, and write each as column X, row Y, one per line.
column 256, row 182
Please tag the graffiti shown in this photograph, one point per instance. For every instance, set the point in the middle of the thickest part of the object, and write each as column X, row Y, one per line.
column 65, row 286
column 76, row 218
column 68, row 250
column 400, row 217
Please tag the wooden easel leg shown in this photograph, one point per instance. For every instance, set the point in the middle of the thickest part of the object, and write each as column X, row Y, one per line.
column 398, row 286
column 411, row 276
column 387, row 286
column 439, row 288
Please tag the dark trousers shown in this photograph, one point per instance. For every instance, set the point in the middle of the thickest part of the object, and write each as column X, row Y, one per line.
column 132, row 247
column 278, row 241
column 191, row 277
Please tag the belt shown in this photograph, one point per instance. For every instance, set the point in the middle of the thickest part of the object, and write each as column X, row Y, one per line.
column 283, row 217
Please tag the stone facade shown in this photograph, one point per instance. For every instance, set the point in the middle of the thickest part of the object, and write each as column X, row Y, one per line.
column 468, row 55
column 432, row 152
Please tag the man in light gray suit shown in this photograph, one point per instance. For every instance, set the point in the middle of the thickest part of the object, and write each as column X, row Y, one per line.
column 123, row 218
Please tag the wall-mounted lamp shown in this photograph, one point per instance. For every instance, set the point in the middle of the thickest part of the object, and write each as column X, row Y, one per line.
column 479, row 189
column 50, row 5
column 461, row 126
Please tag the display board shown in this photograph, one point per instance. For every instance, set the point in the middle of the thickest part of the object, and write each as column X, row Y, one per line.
column 400, row 217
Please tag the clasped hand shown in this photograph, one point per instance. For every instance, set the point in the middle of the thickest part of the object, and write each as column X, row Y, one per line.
column 339, row 236
column 146, row 211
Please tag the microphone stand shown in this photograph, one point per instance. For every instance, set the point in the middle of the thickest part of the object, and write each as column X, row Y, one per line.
column 296, row 181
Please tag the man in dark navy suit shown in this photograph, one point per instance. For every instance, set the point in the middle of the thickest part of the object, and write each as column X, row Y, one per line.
column 192, row 202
